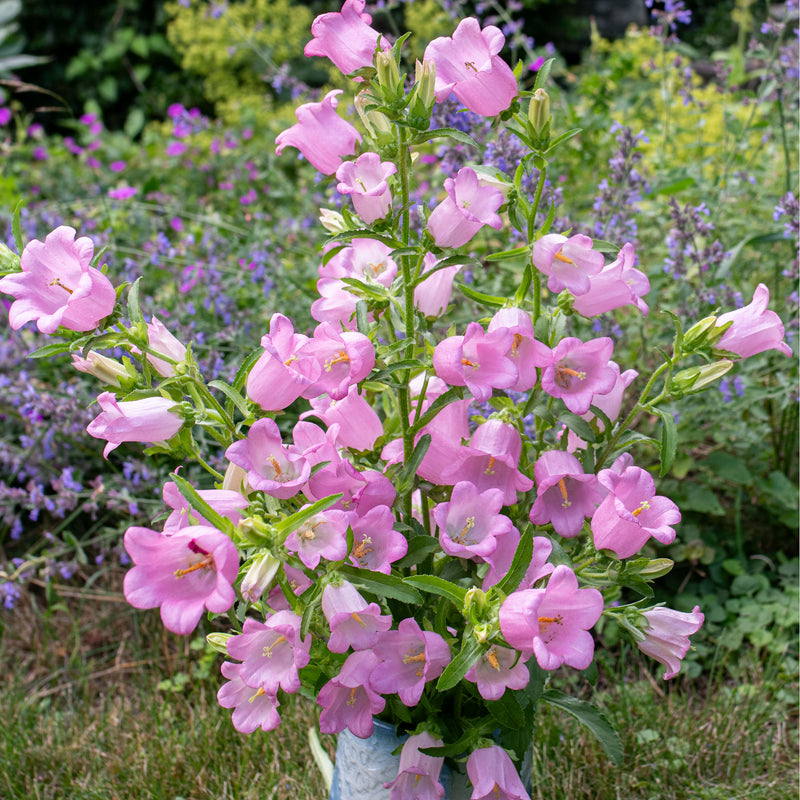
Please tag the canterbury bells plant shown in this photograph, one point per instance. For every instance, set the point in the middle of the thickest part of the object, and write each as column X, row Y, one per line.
column 420, row 519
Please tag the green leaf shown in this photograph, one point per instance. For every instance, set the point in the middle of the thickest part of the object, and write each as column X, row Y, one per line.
column 16, row 228
column 49, row 350
column 419, row 548
column 383, row 374
column 507, row 710
column 191, row 496
column 294, row 521
column 134, row 311
column 406, row 477
column 381, row 585
column 669, row 440
column 435, row 585
column 579, row 426
column 592, row 718
column 734, row 253
column 449, row 133
column 519, row 566
column 450, row 261
column 450, row 396
column 232, row 395
column 470, row 653
column 524, row 249
column 481, row 297
column 566, row 136
column 543, row 74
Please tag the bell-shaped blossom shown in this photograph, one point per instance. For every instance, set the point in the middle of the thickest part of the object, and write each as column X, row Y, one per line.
column 755, row 328
column 271, row 652
column 338, row 477
column 667, row 636
column 525, row 352
column 468, row 65
column 631, row 513
column 492, row 461
column 376, row 545
column 253, row 708
column 565, row 495
column 466, row 209
column 147, row 420
column 348, row 700
column 366, row 180
column 470, row 522
column 617, row 284
column 315, row 444
column 345, row 37
column 283, row 371
column 409, row 658
column 579, row 371
column 182, row 573
column 503, row 556
column 378, row 491
column 432, row 296
column 568, row 262
column 162, row 341
column 322, row 536
column 272, row 467
column 344, row 358
column 493, row 775
column 418, row 774
column 353, row 622
column 336, row 304
column 498, row 669
column 553, row 622
column 476, row 360
column 359, row 424
column 58, row 286
column 225, row 502
column 367, row 260
column 320, row 134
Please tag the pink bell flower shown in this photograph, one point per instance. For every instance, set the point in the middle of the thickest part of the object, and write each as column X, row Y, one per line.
column 253, row 708
column 568, row 262
column 418, row 774
column 492, row 461
column 579, row 371
column 148, row 420
column 617, row 284
column 553, row 622
column 271, row 652
column 631, row 513
column 338, row 477
column 225, row 502
column 162, row 341
column 376, row 545
column 283, row 371
column 322, row 536
column 409, row 658
column 468, row 65
column 336, row 304
column 565, row 494
column 58, row 286
column 348, row 700
column 470, row 523
column 353, row 622
column 366, row 181
column 754, row 329
column 525, row 352
column 272, row 467
column 667, row 636
column 315, row 444
column 476, row 360
column 493, row 775
column 359, row 424
column 345, row 37
column 432, row 296
column 182, row 573
column 368, row 260
column 344, row 358
column 320, row 134
column 498, row 669
column 466, row 209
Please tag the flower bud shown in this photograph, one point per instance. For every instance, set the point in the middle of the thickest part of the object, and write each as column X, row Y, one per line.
column 259, row 577
column 421, row 106
column 219, row 641
column 389, row 79
column 696, row 379
column 254, row 529
column 332, row 221
column 9, row 260
column 656, row 568
column 703, row 334
column 103, row 368
column 539, row 119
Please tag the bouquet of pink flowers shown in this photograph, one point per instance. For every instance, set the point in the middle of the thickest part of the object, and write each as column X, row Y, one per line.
column 455, row 507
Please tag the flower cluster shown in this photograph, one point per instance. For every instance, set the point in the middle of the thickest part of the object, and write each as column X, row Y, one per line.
column 395, row 553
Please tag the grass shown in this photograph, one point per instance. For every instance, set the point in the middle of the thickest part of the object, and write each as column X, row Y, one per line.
column 101, row 704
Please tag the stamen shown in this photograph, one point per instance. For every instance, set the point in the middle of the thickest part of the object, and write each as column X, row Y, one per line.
column 468, row 527
column 566, row 260
column 358, row 620
column 205, row 563
column 643, row 506
column 470, row 65
column 352, row 700
column 563, row 375
column 57, row 282
column 289, row 361
column 516, row 342
column 467, row 363
column 409, row 659
column 341, row 358
column 267, row 651
column 491, row 657
column 362, row 548
column 563, row 487
column 361, row 184
column 490, row 469
column 276, row 466
column 259, row 693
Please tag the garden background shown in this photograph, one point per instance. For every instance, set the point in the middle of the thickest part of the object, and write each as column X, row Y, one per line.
column 150, row 127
